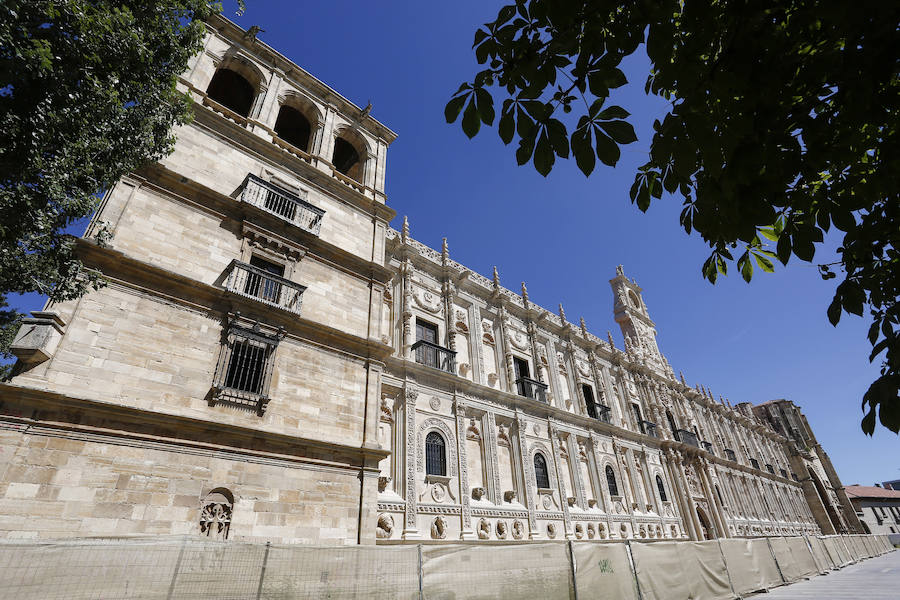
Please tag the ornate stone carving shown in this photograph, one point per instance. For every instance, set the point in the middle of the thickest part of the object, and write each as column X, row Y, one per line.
column 518, row 529
column 385, row 527
column 428, row 302
column 215, row 516
column 502, row 530
column 579, row 531
column 439, row 528
column 383, row 482
column 478, row 493
column 591, row 531
column 435, row 403
column 410, row 394
column 461, row 321
column 440, row 425
column 601, row 531
column 623, row 531
column 484, row 529
column 551, row 530
column 386, row 414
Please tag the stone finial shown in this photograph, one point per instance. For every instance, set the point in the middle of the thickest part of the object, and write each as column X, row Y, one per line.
column 721, row 401
column 445, row 250
column 620, row 270
column 405, row 230
column 524, row 293
column 609, row 337
column 583, row 327
column 562, row 313
column 496, row 278
column 681, row 374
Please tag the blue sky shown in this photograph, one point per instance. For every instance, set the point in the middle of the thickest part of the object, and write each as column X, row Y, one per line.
column 563, row 235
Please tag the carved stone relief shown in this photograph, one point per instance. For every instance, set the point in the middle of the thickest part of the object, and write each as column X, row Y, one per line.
column 439, row 528
column 385, row 527
column 518, row 529
column 502, row 530
column 484, row 529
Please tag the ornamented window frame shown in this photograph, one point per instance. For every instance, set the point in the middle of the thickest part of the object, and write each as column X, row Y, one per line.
column 236, row 333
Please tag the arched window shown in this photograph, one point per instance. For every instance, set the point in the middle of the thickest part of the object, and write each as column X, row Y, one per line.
column 435, row 454
column 672, row 424
column 662, row 489
column 232, row 91
column 293, row 127
column 541, row 475
column 345, row 156
column 611, row 481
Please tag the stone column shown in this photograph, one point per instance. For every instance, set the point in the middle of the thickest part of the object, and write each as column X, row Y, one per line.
column 716, row 509
column 554, row 448
column 681, row 493
column 410, row 528
column 476, row 345
column 577, row 483
column 491, row 464
column 528, row 479
column 466, row 531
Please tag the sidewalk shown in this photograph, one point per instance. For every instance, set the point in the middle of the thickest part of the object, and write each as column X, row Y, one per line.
column 873, row 579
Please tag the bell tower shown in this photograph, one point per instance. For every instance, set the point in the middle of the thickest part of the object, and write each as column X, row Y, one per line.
column 632, row 316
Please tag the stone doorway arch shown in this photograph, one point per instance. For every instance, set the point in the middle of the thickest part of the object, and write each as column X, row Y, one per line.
column 707, row 529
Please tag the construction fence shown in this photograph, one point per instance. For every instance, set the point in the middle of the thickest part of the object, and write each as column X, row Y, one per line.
column 191, row 568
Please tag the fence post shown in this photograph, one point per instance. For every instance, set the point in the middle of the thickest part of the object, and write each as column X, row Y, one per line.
column 262, row 572
column 775, row 558
column 421, row 575
column 727, row 571
column 171, row 593
column 572, row 567
column 633, row 564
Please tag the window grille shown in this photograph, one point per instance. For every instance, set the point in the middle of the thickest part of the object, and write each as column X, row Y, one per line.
column 435, row 454
column 541, row 475
column 611, row 481
column 662, row 489
column 245, row 368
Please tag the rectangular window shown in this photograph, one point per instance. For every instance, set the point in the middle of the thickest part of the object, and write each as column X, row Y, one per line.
column 637, row 416
column 589, row 400
column 245, row 368
column 259, row 285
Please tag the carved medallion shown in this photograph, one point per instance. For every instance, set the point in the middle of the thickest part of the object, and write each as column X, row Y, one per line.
column 579, row 530
column 439, row 528
column 551, row 530
column 434, row 403
column 385, row 526
column 502, row 530
column 591, row 531
column 518, row 529
column 484, row 529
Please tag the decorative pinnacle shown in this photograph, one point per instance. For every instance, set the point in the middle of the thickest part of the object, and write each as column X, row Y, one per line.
column 609, row 337
column 682, row 377
column 496, row 278
column 562, row 313
column 583, row 327
column 524, row 293
column 405, row 230
column 445, row 250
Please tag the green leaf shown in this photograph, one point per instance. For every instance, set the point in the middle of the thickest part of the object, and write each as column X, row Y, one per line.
column 834, row 311
column 613, row 112
column 485, row 106
column 583, row 151
column 768, row 233
column 607, row 150
column 470, row 121
column 783, row 248
column 746, row 267
column 621, row 131
column 526, row 148
column 764, row 263
column 454, row 107
column 559, row 137
column 506, row 128
column 543, row 155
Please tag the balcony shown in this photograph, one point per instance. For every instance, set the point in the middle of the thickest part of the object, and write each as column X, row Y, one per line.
column 531, row 388
column 730, row 455
column 708, row 447
column 252, row 282
column 282, row 204
column 434, row 356
column 754, row 463
column 603, row 413
column 648, row 428
column 688, row 437
column 770, row 468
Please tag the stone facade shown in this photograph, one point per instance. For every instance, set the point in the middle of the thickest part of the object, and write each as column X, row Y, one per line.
column 271, row 361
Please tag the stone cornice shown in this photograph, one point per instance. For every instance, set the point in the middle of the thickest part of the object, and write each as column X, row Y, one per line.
column 191, row 432
column 172, row 286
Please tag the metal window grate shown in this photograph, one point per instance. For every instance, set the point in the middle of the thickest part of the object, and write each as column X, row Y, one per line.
column 245, row 368
column 435, row 454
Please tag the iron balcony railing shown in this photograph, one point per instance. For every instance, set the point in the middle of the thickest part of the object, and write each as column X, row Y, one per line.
column 434, row 356
column 688, row 437
column 783, row 473
column 532, row 388
column 754, row 463
column 730, row 455
column 603, row 413
column 708, row 447
column 252, row 282
column 649, row 428
column 770, row 468
column 282, row 203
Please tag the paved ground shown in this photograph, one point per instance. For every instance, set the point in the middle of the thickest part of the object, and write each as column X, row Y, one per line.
column 873, row 579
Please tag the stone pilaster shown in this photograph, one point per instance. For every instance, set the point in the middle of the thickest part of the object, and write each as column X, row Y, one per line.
column 410, row 529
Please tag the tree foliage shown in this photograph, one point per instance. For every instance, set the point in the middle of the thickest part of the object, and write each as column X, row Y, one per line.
column 87, row 94
column 783, row 123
